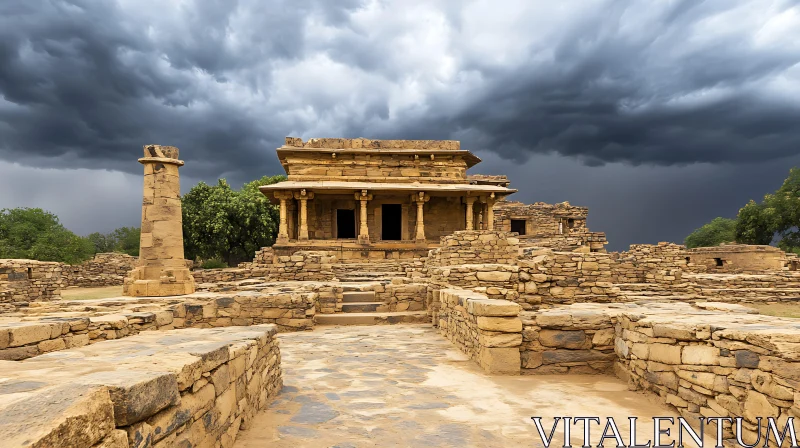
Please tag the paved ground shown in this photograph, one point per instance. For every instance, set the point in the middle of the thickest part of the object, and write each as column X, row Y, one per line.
column 405, row 385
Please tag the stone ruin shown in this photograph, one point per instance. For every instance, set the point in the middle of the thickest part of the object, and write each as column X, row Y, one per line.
column 188, row 358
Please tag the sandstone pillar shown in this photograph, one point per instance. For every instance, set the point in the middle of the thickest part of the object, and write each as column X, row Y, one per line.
column 490, row 212
column 161, row 270
column 420, row 198
column 283, row 227
column 363, row 228
column 469, row 201
column 303, row 196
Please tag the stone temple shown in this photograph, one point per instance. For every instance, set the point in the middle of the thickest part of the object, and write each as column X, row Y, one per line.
column 404, row 303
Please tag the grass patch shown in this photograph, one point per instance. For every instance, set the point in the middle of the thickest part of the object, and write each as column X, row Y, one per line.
column 104, row 292
column 777, row 309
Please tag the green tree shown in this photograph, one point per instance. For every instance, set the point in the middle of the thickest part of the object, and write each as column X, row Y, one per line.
column 222, row 223
column 778, row 215
column 36, row 234
column 754, row 224
column 101, row 242
column 716, row 232
column 126, row 240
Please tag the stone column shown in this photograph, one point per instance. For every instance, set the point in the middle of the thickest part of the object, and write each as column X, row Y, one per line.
column 489, row 201
column 420, row 198
column 161, row 269
column 303, row 196
column 469, row 201
column 363, row 228
column 283, row 227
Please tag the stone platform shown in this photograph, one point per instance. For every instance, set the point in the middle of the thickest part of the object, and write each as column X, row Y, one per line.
column 192, row 387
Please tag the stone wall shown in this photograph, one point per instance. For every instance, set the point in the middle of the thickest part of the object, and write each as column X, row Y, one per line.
column 547, row 277
column 487, row 330
column 105, row 269
column 300, row 266
column 289, row 311
column 738, row 258
column 541, row 219
column 25, row 281
column 154, row 389
column 714, row 364
column 475, row 247
column 563, row 341
column 647, row 263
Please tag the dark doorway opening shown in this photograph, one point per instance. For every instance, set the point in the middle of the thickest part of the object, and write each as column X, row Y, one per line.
column 518, row 225
column 391, row 222
column 345, row 223
column 718, row 261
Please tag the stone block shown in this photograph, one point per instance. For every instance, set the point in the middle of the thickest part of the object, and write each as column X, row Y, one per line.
column 666, row 354
column 29, row 334
column 500, row 360
column 495, row 339
column 700, row 355
column 69, row 416
column 494, row 276
column 574, row 339
column 489, row 307
column 136, row 394
column 500, row 324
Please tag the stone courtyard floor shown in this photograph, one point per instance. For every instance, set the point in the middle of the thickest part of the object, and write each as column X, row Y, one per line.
column 405, row 385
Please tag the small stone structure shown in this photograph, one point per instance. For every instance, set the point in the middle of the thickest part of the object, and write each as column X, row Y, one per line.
column 739, row 258
column 25, row 281
column 161, row 270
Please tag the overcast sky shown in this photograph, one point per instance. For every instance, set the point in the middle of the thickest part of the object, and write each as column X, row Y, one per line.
column 658, row 116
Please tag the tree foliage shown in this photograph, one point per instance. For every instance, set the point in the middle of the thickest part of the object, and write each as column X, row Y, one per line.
column 36, row 234
column 777, row 216
column 716, row 232
column 231, row 225
column 123, row 239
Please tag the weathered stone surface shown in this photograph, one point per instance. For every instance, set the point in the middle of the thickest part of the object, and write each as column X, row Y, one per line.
column 501, row 324
column 700, row 355
column 667, row 354
column 575, row 339
column 500, row 360
column 137, row 394
column 68, row 416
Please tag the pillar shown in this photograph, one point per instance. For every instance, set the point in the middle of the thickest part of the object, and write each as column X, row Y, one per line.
column 283, row 225
column 420, row 198
column 303, row 196
column 161, row 269
column 488, row 202
column 363, row 229
column 469, row 201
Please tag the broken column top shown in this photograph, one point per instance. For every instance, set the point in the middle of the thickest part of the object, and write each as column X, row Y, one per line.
column 162, row 152
column 365, row 143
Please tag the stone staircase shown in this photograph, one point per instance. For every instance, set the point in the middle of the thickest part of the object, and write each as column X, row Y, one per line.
column 360, row 307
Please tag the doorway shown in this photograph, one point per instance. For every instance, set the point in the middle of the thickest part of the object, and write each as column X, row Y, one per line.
column 345, row 223
column 518, row 225
column 391, row 222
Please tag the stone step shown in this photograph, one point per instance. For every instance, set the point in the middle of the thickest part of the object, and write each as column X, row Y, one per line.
column 358, row 296
column 404, row 317
column 362, row 307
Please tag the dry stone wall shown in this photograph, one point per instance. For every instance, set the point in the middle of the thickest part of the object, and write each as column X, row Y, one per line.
column 548, row 278
column 646, row 263
column 289, row 311
column 159, row 389
column 714, row 365
column 561, row 341
column 489, row 331
column 105, row 269
column 25, row 281
column 475, row 247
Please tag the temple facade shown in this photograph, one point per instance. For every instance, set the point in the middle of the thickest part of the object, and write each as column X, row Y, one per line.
column 378, row 198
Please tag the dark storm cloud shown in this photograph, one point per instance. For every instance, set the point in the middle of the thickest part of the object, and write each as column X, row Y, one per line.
column 609, row 90
column 88, row 81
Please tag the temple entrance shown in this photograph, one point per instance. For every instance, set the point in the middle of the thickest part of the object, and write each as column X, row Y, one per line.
column 345, row 223
column 391, row 222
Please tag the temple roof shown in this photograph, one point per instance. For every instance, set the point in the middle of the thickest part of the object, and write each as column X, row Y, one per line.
column 411, row 187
